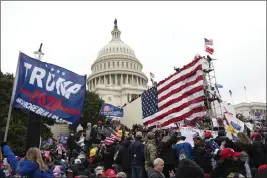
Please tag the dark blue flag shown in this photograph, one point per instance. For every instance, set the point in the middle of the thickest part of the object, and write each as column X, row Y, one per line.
column 111, row 111
column 49, row 90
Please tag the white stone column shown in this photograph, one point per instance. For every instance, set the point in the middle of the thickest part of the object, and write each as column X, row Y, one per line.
column 116, row 79
column 105, row 82
column 121, row 79
column 127, row 81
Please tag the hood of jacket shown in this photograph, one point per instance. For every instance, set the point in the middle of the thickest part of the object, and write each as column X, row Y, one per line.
column 151, row 142
column 30, row 168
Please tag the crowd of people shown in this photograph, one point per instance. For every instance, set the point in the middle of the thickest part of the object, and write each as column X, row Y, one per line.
column 112, row 150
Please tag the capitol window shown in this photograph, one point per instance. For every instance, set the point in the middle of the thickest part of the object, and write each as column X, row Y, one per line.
column 104, row 65
column 108, row 64
column 101, row 66
column 109, row 98
column 122, row 64
column 131, row 65
column 126, row 64
column 113, row 64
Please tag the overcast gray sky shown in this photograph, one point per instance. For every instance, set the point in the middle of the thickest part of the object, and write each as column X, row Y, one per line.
column 162, row 34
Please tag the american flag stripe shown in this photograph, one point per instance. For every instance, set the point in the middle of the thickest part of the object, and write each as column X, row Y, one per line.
column 178, row 97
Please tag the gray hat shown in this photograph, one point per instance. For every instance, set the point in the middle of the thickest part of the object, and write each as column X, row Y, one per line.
column 150, row 135
column 139, row 134
column 121, row 175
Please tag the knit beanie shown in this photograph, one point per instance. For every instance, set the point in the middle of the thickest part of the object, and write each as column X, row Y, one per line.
column 189, row 169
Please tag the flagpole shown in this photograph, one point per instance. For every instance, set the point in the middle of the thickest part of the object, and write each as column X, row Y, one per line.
column 12, row 99
column 246, row 94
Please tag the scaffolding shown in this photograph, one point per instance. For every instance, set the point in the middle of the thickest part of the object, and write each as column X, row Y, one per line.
column 212, row 94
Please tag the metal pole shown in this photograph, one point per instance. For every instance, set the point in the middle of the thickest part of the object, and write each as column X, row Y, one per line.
column 8, row 121
column 11, row 101
column 246, row 95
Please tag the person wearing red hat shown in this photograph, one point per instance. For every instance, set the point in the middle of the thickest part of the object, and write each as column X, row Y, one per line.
column 257, row 150
column 110, row 173
column 228, row 163
column 262, row 173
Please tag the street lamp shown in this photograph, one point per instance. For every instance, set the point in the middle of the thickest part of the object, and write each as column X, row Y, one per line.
column 39, row 54
column 33, row 137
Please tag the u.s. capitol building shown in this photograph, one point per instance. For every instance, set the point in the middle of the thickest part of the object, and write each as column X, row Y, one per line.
column 117, row 75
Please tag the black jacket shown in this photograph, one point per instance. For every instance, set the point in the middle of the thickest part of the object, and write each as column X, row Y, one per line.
column 224, row 168
column 229, row 143
column 123, row 157
column 202, row 158
column 136, row 153
column 258, row 153
column 166, row 152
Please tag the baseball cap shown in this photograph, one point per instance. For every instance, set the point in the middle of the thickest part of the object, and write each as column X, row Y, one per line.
column 93, row 152
column 228, row 153
column 99, row 170
column 207, row 134
column 138, row 134
column 262, row 167
column 110, row 173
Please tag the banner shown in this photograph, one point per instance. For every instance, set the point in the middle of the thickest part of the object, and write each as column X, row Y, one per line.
column 188, row 132
column 111, row 111
column 49, row 90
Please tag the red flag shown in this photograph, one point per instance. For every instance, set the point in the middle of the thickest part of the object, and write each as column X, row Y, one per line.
column 209, row 50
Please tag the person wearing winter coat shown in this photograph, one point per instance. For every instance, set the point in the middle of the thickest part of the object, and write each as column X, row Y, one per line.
column 182, row 149
column 257, row 151
column 167, row 154
column 158, row 169
column 202, row 155
column 136, row 155
column 229, row 162
column 31, row 165
column 222, row 137
column 123, row 156
column 150, row 152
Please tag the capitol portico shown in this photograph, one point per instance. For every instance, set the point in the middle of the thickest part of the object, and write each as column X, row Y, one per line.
column 116, row 73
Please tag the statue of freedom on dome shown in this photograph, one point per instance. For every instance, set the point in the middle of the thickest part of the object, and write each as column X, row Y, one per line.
column 115, row 22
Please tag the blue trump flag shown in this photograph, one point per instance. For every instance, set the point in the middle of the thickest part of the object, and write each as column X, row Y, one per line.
column 111, row 111
column 49, row 90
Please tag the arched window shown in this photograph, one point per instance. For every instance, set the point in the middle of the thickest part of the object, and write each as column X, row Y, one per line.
column 113, row 64
column 126, row 64
column 118, row 64
column 122, row 64
column 131, row 65
column 104, row 65
column 101, row 66
column 108, row 65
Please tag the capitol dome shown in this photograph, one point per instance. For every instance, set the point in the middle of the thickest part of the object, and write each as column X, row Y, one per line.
column 117, row 73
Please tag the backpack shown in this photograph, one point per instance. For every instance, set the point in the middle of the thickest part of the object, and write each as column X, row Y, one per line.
column 182, row 155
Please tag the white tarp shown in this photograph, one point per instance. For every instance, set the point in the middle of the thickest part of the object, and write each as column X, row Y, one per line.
column 188, row 132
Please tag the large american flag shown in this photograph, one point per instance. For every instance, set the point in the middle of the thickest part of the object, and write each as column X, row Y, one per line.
column 176, row 98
